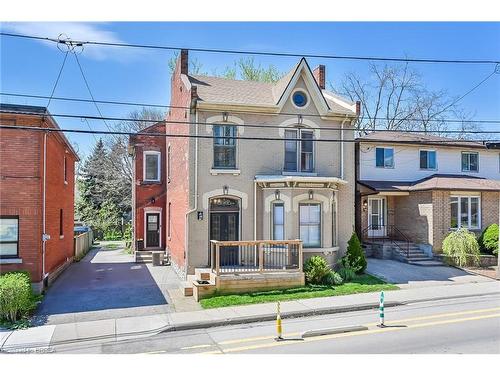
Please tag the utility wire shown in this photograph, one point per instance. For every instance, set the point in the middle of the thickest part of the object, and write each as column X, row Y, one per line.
column 57, row 79
column 139, row 104
column 246, row 125
column 328, row 140
column 256, row 53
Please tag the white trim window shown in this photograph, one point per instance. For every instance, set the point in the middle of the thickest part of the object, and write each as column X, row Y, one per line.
column 224, row 146
column 9, row 236
column 310, row 224
column 151, row 166
column 470, row 161
column 169, row 164
column 299, row 150
column 465, row 212
column 278, row 221
column 384, row 157
column 428, row 159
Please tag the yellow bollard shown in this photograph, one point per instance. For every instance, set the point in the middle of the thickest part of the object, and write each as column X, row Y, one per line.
column 278, row 324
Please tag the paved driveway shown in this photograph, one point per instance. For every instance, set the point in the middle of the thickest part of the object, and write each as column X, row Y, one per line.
column 107, row 284
column 412, row 276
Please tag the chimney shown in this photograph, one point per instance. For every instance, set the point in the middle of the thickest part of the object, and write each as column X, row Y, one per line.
column 184, row 61
column 319, row 76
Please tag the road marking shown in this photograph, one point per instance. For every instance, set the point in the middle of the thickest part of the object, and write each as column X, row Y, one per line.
column 349, row 334
column 388, row 323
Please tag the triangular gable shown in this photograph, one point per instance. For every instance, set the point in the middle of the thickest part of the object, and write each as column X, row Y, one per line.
column 301, row 69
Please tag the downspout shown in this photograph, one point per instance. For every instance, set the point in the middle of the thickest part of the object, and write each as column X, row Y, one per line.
column 195, row 208
column 254, row 210
column 44, row 235
column 342, row 147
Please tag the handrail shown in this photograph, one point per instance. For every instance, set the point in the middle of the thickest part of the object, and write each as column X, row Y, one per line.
column 389, row 235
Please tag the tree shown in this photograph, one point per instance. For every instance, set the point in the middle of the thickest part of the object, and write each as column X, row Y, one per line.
column 355, row 256
column 395, row 98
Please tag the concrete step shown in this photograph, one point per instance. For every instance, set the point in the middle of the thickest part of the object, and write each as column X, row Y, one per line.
column 427, row 263
column 187, row 288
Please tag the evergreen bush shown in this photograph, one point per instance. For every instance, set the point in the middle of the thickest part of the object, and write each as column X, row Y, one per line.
column 355, row 256
column 488, row 241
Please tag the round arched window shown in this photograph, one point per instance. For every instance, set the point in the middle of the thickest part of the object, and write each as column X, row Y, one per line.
column 299, row 98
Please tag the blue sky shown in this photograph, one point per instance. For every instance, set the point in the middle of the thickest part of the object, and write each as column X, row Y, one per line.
column 29, row 66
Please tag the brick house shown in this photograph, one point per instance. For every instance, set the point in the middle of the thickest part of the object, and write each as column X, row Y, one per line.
column 37, row 184
column 149, row 190
column 415, row 194
column 288, row 188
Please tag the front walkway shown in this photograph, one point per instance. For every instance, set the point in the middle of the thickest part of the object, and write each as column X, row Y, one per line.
column 412, row 276
column 108, row 284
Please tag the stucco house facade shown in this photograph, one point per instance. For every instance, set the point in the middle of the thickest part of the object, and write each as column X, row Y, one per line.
column 264, row 161
column 420, row 187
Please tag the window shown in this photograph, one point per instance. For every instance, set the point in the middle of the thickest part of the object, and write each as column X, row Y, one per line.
column 299, row 99
column 224, row 146
column 169, row 220
column 428, row 159
column 384, row 157
column 9, row 236
column 61, row 223
column 65, row 169
column 310, row 224
column 278, row 222
column 169, row 163
column 299, row 151
column 465, row 212
column 152, row 166
column 470, row 162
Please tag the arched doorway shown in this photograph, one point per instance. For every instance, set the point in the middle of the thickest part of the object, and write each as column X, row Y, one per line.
column 225, row 226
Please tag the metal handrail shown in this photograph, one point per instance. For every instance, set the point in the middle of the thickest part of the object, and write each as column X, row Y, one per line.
column 389, row 235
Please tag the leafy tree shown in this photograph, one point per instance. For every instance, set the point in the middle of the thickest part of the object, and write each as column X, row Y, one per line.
column 462, row 248
column 488, row 241
column 355, row 256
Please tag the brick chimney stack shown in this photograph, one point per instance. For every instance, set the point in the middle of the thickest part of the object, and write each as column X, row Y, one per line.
column 319, row 76
column 184, row 61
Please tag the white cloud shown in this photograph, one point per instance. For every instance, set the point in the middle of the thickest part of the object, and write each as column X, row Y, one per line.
column 76, row 31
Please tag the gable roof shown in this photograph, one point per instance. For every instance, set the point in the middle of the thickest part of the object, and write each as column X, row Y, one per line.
column 33, row 110
column 217, row 90
column 426, row 139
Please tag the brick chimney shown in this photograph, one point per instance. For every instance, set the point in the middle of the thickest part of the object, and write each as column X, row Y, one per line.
column 184, row 61
column 319, row 76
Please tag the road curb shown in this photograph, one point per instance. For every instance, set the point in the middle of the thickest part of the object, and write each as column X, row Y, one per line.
column 332, row 331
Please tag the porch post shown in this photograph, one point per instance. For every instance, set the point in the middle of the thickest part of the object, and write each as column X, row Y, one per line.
column 217, row 258
column 261, row 257
column 301, row 257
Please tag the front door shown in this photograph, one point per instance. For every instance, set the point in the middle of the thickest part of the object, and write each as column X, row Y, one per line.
column 376, row 217
column 224, row 226
column 152, row 230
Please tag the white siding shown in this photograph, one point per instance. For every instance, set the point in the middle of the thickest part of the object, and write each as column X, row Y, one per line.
column 407, row 163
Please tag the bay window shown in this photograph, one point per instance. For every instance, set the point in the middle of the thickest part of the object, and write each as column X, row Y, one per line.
column 465, row 212
column 9, row 236
column 310, row 224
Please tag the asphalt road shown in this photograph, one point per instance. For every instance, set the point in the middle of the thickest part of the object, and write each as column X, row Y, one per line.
column 467, row 325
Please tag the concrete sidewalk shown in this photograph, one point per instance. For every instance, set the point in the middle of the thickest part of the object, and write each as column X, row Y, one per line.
column 39, row 339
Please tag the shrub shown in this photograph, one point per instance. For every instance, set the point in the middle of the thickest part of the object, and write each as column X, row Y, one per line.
column 316, row 269
column 16, row 297
column 488, row 241
column 347, row 274
column 462, row 248
column 355, row 256
column 112, row 235
column 332, row 278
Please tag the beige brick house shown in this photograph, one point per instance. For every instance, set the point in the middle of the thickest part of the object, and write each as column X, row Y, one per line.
column 415, row 189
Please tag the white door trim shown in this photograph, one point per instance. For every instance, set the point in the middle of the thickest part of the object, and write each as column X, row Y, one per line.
column 151, row 210
column 381, row 214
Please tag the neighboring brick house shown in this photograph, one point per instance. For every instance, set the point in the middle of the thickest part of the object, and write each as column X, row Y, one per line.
column 235, row 189
column 420, row 192
column 37, row 185
column 149, row 188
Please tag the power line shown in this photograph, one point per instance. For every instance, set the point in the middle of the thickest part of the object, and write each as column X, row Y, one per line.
column 57, row 79
column 256, row 53
column 140, row 104
column 258, row 126
column 152, row 134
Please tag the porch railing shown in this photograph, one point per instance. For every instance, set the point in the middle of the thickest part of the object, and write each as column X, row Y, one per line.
column 388, row 233
column 255, row 256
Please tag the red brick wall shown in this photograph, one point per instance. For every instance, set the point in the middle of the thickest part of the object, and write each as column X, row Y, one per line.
column 21, row 181
column 178, row 187
column 145, row 192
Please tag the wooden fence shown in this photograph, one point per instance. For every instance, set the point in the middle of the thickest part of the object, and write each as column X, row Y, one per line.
column 83, row 243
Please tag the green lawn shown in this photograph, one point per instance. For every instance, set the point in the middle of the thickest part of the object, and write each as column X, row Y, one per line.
column 361, row 284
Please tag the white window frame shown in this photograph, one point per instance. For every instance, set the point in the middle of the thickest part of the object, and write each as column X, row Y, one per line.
column 298, row 144
column 308, row 203
column 384, row 166
column 427, row 168
column 459, row 210
column 169, row 163
column 144, row 156
column 273, row 204
column 469, row 153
